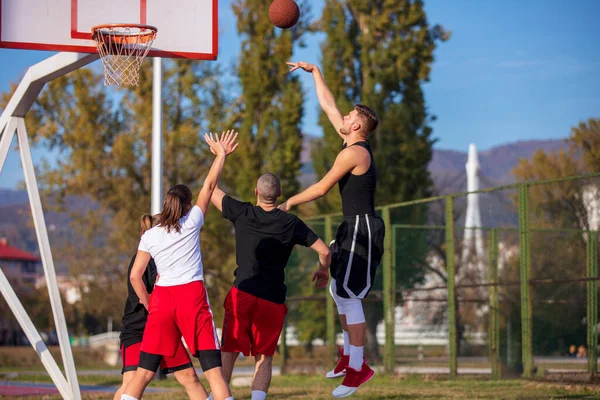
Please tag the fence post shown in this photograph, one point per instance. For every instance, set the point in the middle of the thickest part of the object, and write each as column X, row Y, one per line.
column 329, row 300
column 389, row 295
column 494, row 330
column 451, row 293
column 525, row 269
column 592, row 302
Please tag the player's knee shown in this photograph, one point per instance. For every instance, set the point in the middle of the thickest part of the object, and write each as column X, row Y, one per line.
column 264, row 360
column 148, row 364
column 186, row 376
column 354, row 311
column 209, row 359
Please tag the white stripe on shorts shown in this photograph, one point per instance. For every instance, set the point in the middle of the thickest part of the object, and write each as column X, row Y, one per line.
column 212, row 317
column 364, row 292
column 349, row 266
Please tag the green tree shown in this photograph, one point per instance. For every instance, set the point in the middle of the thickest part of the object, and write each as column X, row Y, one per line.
column 561, row 205
column 380, row 53
column 270, row 107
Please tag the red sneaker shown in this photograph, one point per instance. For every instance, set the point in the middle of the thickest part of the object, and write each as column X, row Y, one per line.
column 340, row 368
column 353, row 380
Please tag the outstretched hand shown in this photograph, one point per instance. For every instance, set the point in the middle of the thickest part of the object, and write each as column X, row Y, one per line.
column 224, row 145
column 321, row 277
column 303, row 65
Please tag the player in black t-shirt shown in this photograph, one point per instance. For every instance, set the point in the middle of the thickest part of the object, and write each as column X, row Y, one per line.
column 134, row 322
column 255, row 307
column 358, row 246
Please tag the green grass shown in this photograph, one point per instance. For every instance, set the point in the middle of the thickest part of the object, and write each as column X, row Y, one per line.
column 381, row 388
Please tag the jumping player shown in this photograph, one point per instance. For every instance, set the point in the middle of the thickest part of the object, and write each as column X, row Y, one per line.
column 358, row 246
column 179, row 304
column 134, row 322
column 255, row 307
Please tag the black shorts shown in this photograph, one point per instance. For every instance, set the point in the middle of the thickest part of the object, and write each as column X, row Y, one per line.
column 355, row 255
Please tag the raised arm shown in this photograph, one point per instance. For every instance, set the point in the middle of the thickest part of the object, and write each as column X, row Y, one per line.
column 221, row 147
column 217, row 199
column 326, row 99
column 137, row 272
column 345, row 162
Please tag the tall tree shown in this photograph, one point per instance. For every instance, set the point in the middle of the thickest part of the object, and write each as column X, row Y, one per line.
column 562, row 205
column 270, row 106
column 380, row 53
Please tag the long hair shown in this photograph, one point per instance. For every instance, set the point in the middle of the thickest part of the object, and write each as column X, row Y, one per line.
column 177, row 203
column 146, row 222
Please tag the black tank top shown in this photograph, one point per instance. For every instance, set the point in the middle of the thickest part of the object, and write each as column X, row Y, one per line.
column 358, row 191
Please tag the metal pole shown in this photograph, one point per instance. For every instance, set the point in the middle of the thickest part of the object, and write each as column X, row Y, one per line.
column 494, row 331
column 330, row 320
column 157, row 191
column 389, row 291
column 451, row 273
column 525, row 268
column 6, row 139
column 592, row 302
column 34, row 337
column 46, row 255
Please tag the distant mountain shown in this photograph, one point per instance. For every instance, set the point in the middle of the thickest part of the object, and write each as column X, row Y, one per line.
column 496, row 163
column 10, row 197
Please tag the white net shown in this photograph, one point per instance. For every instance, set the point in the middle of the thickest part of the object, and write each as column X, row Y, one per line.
column 122, row 49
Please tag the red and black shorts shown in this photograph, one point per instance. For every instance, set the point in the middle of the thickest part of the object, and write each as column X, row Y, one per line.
column 181, row 311
column 130, row 355
column 251, row 325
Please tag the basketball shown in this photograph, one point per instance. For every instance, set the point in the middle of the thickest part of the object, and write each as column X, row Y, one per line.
column 284, row 13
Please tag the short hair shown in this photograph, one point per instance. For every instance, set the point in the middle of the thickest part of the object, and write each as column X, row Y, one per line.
column 369, row 118
column 268, row 187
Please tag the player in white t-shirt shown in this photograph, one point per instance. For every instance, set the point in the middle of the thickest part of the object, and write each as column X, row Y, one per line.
column 179, row 304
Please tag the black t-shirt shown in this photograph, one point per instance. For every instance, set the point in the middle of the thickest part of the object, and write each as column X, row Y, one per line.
column 135, row 314
column 264, row 241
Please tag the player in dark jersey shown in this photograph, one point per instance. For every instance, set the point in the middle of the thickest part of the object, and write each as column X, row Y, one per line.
column 358, row 246
column 255, row 307
column 134, row 322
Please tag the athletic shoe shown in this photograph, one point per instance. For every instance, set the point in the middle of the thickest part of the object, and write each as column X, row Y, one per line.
column 340, row 368
column 353, row 380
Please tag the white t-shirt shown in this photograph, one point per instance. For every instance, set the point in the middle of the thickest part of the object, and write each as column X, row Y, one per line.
column 177, row 255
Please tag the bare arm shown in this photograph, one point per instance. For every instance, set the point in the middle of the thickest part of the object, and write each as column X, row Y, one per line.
column 137, row 271
column 345, row 162
column 326, row 99
column 321, row 275
column 210, row 183
column 217, row 199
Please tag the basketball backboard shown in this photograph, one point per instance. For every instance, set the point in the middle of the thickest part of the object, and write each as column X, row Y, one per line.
column 186, row 28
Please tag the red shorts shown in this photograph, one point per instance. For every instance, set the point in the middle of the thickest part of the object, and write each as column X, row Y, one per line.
column 130, row 356
column 176, row 311
column 251, row 325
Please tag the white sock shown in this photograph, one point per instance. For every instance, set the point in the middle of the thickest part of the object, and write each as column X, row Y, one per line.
column 346, row 343
column 258, row 395
column 229, row 398
column 356, row 357
column 210, row 397
column 127, row 397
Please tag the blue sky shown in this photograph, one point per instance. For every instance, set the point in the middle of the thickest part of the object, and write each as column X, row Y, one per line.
column 512, row 71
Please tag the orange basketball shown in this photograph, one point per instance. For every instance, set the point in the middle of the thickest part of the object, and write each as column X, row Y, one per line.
column 284, row 13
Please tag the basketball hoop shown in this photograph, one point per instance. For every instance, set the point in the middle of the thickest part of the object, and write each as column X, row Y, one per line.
column 122, row 48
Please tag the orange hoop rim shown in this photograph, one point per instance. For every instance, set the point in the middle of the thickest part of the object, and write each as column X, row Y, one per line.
column 145, row 33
